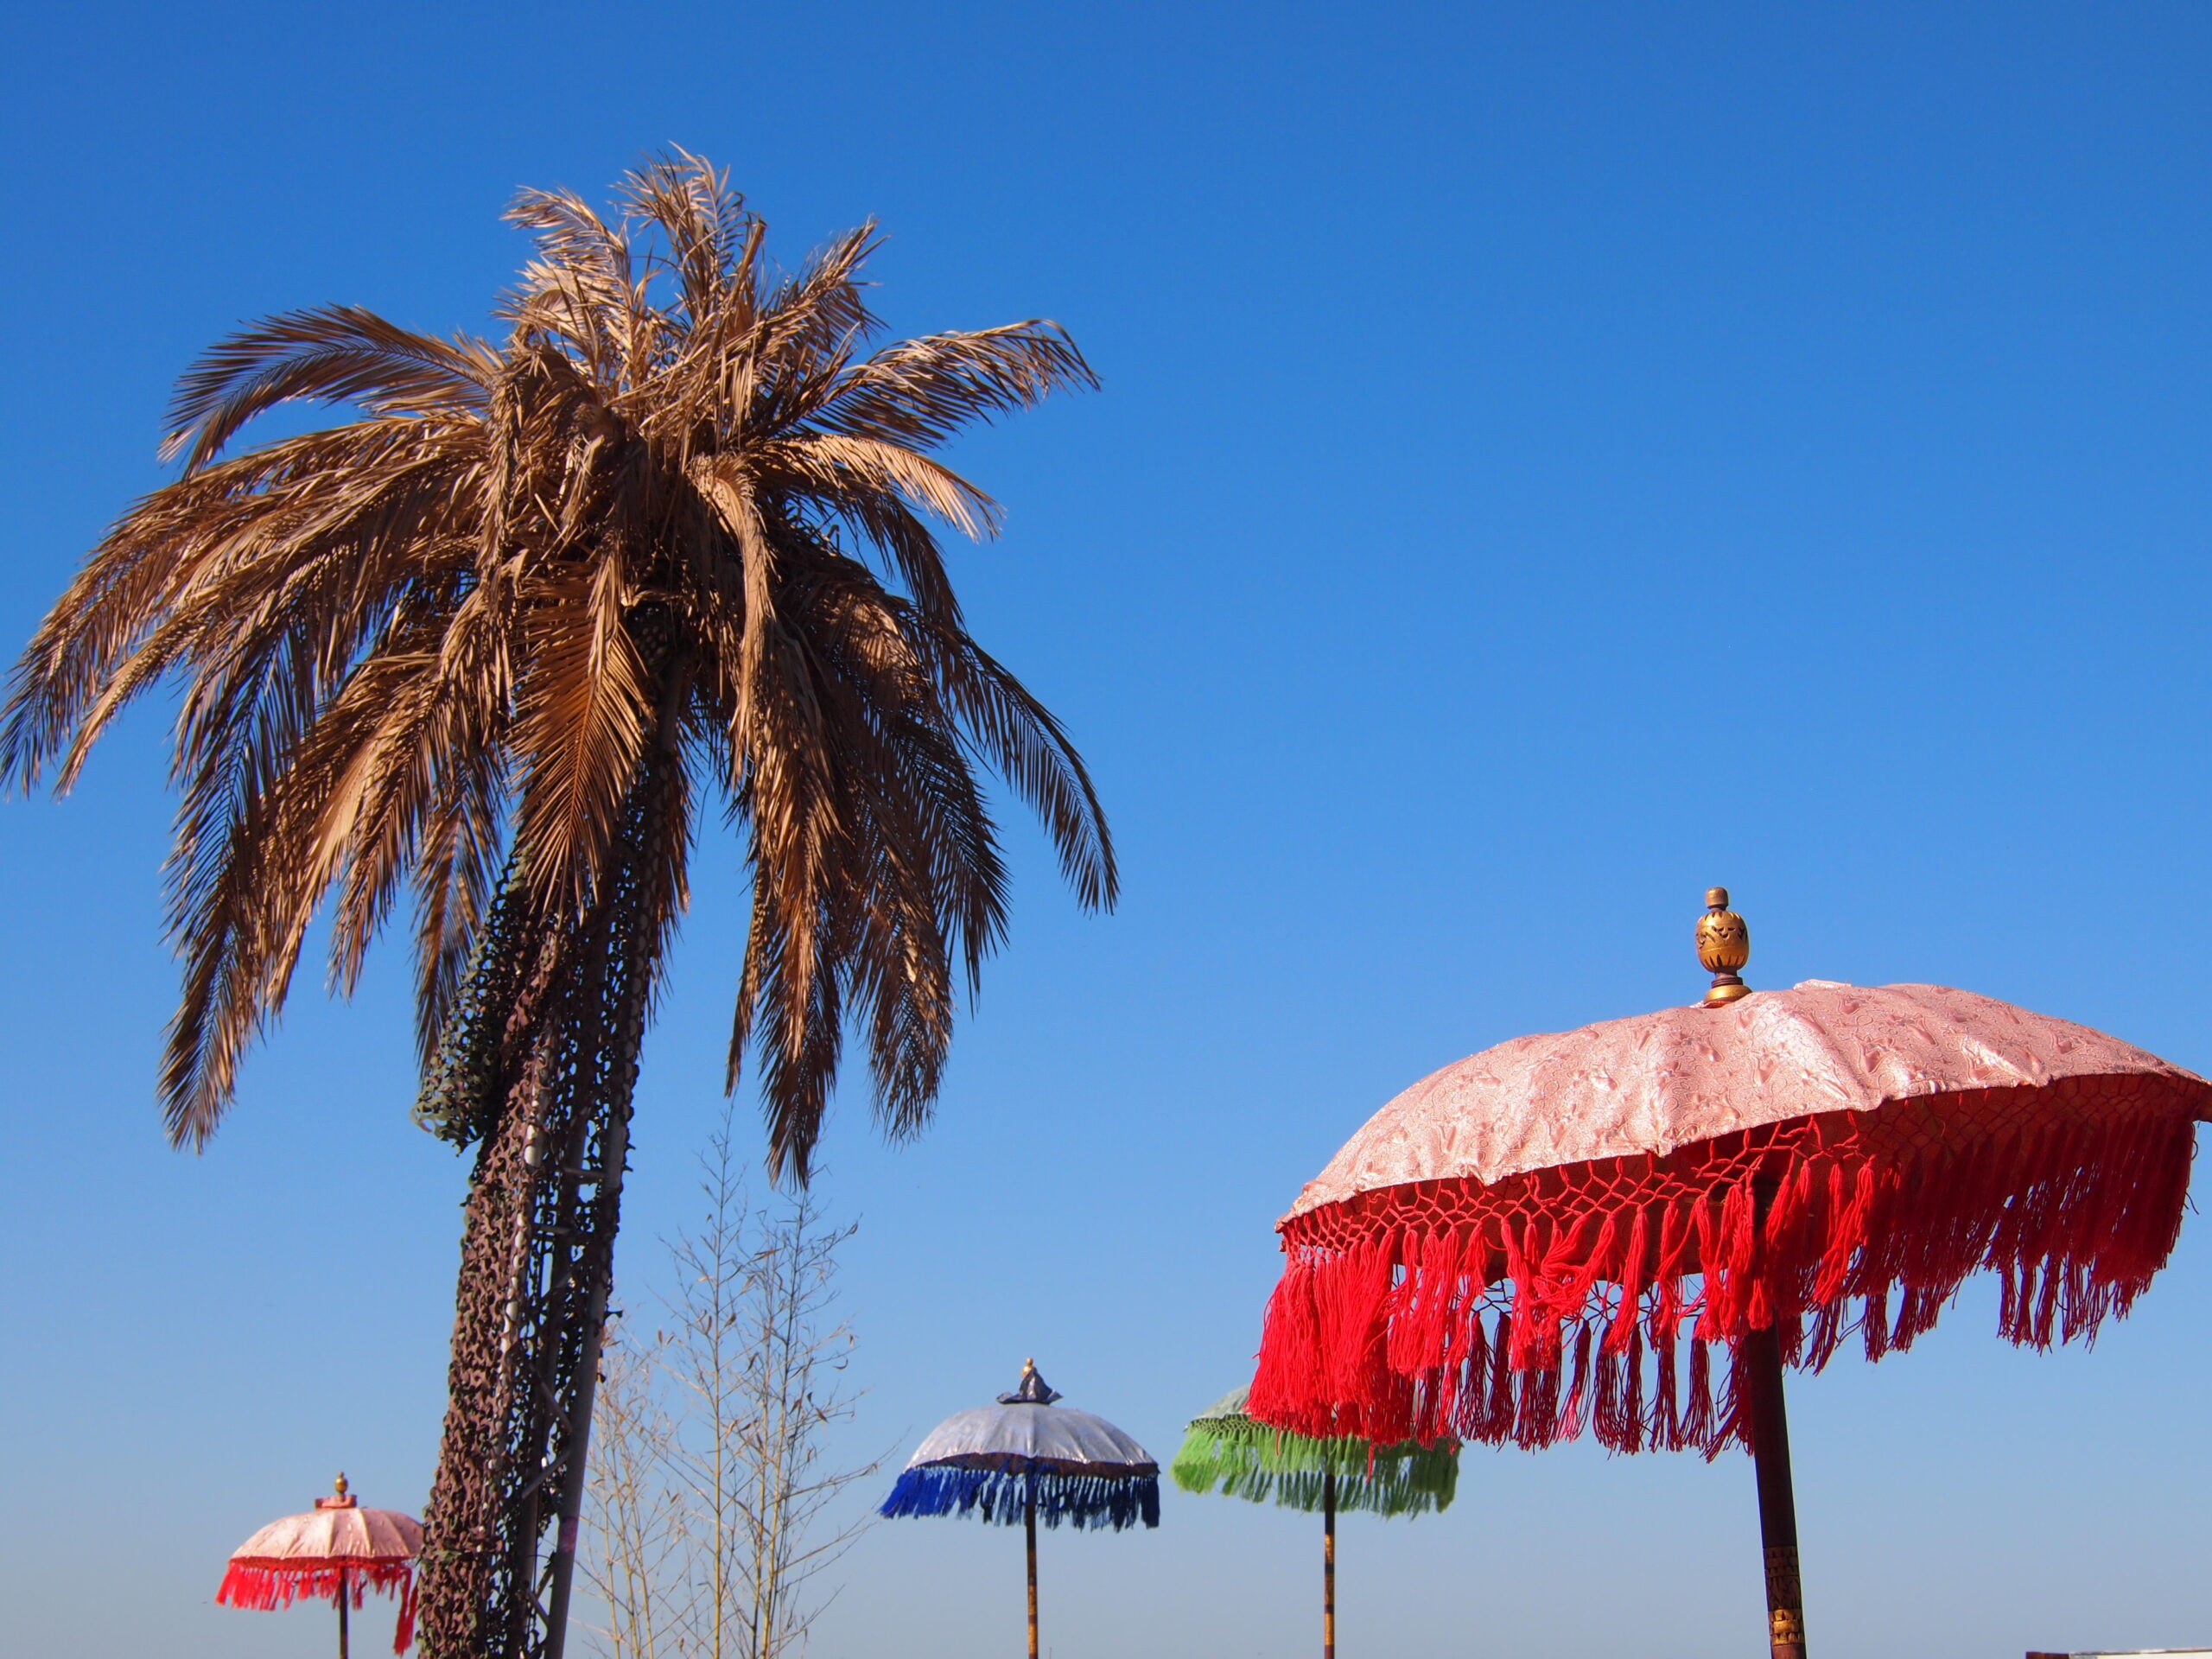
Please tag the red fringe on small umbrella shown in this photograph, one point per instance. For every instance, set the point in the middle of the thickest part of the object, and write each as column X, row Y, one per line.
column 269, row 1584
column 1528, row 1308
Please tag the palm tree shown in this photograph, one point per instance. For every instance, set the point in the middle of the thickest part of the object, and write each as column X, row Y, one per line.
column 495, row 642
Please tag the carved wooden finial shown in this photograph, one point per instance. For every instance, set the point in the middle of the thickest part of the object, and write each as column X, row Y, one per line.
column 1724, row 945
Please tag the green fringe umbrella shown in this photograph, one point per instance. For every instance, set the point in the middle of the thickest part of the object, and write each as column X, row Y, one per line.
column 1226, row 1451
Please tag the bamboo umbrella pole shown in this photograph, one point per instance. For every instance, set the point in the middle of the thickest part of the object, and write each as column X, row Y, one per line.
column 1329, row 1565
column 1029, row 1526
column 1760, row 1354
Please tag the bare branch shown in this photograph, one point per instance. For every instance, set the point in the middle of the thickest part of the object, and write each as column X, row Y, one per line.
column 709, row 1518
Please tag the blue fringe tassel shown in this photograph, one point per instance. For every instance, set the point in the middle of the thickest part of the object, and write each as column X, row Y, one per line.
column 998, row 1495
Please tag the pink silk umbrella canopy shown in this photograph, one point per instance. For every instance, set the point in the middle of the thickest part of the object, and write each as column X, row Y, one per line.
column 336, row 1548
column 1515, row 1247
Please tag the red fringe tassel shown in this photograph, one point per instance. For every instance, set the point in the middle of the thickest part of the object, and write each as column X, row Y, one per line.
column 1523, row 1311
column 271, row 1583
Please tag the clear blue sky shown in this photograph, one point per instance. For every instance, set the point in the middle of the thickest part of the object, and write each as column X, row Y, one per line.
column 1551, row 458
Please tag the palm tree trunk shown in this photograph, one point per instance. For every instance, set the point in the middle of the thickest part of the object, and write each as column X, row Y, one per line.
column 538, row 1262
column 536, row 1270
column 463, row 1604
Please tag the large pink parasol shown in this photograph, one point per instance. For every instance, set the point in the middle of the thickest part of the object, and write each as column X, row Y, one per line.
column 337, row 1549
column 1521, row 1245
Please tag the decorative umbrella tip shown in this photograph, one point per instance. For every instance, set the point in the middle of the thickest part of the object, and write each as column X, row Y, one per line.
column 339, row 1485
column 1032, row 1390
column 1724, row 945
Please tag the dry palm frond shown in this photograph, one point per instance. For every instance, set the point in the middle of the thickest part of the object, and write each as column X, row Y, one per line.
column 411, row 656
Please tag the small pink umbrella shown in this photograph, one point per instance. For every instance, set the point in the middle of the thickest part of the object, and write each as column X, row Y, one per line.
column 337, row 1549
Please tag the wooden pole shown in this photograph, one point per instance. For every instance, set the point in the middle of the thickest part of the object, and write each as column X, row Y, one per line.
column 1759, row 1356
column 341, row 1613
column 615, row 1157
column 1329, row 1565
column 1029, row 1526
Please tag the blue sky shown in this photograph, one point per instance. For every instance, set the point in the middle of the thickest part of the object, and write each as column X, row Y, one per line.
column 1550, row 459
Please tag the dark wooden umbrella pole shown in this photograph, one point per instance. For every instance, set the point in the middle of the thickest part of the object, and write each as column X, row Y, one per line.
column 1759, row 1356
column 1329, row 1566
column 1029, row 1526
column 341, row 1613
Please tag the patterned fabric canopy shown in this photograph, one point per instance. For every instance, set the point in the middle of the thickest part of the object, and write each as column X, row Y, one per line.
column 1227, row 1450
column 335, row 1547
column 1513, row 1247
column 995, row 1460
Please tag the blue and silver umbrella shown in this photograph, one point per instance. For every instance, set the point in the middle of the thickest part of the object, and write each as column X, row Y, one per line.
column 1026, row 1458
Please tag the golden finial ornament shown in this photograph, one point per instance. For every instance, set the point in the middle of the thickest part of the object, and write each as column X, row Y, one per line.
column 1724, row 945
column 339, row 1485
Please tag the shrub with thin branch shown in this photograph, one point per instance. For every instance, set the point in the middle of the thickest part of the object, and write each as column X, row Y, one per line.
column 708, row 1528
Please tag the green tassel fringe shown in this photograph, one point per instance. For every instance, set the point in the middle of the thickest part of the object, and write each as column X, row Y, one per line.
column 1228, row 1451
